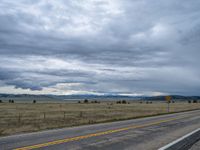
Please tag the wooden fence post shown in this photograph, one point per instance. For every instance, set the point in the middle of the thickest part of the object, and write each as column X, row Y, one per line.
column 64, row 115
column 81, row 114
column 44, row 115
column 19, row 118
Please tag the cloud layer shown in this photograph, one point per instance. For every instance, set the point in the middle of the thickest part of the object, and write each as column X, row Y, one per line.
column 136, row 47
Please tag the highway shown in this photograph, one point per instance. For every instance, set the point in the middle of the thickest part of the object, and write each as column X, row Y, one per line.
column 137, row 134
column 196, row 146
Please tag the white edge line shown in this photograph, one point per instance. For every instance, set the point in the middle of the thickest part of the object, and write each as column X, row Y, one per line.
column 178, row 140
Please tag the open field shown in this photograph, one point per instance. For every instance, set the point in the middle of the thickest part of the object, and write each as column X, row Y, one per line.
column 26, row 117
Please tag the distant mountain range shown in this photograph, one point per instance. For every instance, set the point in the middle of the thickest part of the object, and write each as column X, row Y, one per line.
column 99, row 97
column 174, row 97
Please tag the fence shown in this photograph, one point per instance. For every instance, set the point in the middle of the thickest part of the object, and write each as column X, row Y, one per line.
column 36, row 117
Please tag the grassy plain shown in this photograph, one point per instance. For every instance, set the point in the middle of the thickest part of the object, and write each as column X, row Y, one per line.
column 27, row 117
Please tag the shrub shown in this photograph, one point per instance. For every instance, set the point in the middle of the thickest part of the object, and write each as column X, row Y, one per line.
column 124, row 102
column 34, row 101
column 194, row 101
column 118, row 102
column 95, row 101
column 86, row 101
column 1, row 101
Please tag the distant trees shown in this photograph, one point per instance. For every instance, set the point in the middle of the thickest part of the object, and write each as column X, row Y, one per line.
column 193, row 101
column 122, row 102
column 147, row 102
column 95, row 101
column 118, row 102
column 86, row 101
column 11, row 101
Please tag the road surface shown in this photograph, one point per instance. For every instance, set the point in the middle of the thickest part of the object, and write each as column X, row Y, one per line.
column 138, row 134
column 196, row 146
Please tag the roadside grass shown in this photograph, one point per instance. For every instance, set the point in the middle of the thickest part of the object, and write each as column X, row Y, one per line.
column 27, row 117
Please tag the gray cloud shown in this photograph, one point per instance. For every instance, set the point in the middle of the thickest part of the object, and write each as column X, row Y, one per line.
column 106, row 46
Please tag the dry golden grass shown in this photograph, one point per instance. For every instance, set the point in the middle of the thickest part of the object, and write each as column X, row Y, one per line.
column 26, row 117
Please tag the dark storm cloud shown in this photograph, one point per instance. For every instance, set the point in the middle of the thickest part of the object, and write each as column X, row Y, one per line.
column 36, row 80
column 140, row 46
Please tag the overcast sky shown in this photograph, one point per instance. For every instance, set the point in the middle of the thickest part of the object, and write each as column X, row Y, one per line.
column 128, row 47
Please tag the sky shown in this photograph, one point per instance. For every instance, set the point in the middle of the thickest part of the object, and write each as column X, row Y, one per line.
column 125, row 47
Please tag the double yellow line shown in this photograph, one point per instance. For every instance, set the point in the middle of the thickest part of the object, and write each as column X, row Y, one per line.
column 94, row 135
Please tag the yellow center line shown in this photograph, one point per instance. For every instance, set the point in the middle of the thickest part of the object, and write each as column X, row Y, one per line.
column 94, row 135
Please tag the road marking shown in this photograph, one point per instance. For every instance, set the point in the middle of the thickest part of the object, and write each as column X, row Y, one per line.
column 94, row 135
column 181, row 141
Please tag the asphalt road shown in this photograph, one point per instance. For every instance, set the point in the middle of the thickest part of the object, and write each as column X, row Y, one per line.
column 138, row 134
column 196, row 146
